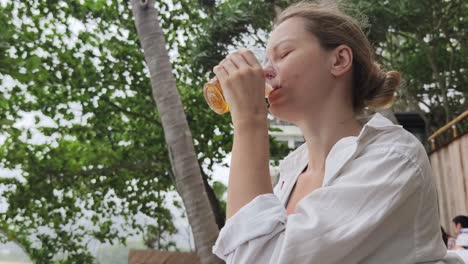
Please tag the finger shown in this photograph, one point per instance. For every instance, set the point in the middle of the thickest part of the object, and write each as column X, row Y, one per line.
column 239, row 60
column 229, row 66
column 249, row 57
column 220, row 72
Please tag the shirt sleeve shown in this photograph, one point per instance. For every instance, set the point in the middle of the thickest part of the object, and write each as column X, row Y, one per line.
column 462, row 240
column 340, row 216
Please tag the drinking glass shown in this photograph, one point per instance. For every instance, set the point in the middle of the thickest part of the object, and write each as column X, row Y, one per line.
column 214, row 93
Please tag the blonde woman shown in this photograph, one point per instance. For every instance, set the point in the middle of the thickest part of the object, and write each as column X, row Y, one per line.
column 353, row 193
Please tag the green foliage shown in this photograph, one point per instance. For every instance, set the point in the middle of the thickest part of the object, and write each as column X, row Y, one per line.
column 104, row 158
column 220, row 189
column 428, row 42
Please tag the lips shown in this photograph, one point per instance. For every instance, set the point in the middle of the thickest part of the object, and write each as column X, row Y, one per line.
column 269, row 89
column 275, row 94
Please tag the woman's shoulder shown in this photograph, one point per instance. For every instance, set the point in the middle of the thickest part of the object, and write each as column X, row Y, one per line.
column 393, row 150
column 380, row 133
column 398, row 141
column 398, row 137
column 387, row 157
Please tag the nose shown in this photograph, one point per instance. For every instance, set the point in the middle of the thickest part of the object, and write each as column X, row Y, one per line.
column 270, row 74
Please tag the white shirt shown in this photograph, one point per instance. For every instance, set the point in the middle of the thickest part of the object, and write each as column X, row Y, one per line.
column 462, row 238
column 462, row 253
column 377, row 204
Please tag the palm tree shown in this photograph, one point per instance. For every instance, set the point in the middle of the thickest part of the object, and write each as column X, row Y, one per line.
column 185, row 167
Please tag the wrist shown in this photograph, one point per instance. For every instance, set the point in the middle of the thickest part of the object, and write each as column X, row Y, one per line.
column 252, row 121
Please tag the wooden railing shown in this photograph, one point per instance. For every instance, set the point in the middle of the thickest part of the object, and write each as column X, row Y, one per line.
column 450, row 171
column 450, row 125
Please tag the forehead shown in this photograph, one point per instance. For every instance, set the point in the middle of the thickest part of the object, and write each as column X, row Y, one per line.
column 292, row 29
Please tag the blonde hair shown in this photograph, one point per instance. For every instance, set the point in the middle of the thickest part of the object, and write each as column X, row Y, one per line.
column 372, row 85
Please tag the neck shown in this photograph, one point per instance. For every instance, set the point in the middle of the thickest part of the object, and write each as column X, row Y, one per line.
column 322, row 131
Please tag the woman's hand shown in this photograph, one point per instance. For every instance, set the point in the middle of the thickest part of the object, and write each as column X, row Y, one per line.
column 243, row 83
column 242, row 80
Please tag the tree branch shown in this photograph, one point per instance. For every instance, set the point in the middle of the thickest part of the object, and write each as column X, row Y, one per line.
column 147, row 118
column 422, row 101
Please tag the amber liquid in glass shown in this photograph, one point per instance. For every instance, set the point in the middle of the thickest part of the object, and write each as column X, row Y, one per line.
column 215, row 98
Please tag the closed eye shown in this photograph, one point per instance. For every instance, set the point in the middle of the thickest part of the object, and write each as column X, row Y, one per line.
column 284, row 54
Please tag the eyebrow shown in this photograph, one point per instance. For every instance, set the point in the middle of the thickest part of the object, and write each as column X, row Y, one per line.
column 280, row 42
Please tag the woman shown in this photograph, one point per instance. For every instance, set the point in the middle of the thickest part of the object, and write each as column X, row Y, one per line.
column 352, row 193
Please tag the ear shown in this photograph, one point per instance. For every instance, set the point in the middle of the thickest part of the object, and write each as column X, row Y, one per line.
column 342, row 60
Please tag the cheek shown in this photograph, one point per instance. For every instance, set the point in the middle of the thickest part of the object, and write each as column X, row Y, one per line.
column 303, row 73
column 312, row 74
column 297, row 76
column 294, row 74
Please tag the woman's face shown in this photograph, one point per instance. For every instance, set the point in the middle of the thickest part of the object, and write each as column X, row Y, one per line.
column 302, row 71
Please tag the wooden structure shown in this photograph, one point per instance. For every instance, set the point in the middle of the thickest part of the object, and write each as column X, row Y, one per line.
column 143, row 256
column 450, row 165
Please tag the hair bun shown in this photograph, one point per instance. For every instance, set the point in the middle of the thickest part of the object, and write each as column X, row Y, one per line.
column 384, row 96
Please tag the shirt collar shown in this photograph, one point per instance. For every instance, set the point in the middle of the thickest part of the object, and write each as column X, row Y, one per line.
column 380, row 122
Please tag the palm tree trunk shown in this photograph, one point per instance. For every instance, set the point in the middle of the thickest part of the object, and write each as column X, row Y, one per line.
column 218, row 212
column 186, row 170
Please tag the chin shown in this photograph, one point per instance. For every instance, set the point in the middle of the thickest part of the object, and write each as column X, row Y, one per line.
column 283, row 113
